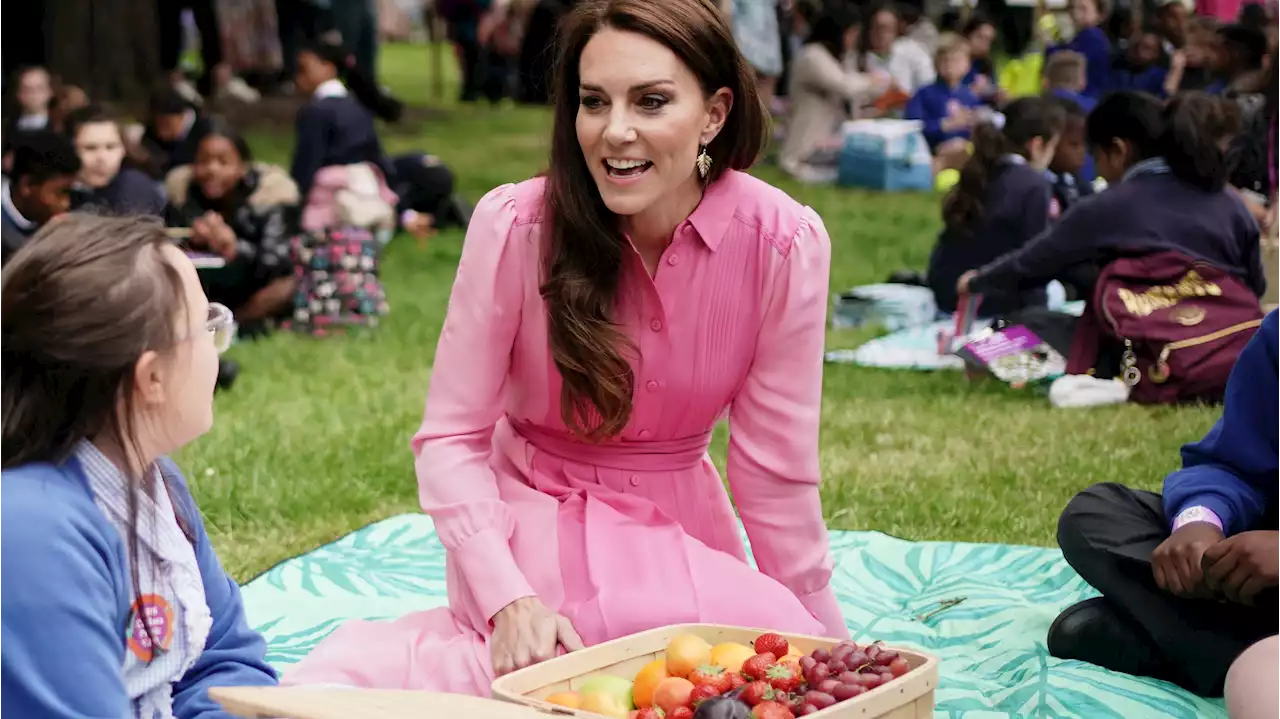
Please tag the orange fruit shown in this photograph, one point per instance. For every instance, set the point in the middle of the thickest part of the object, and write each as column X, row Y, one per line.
column 647, row 680
column 565, row 699
column 672, row 693
column 731, row 655
column 685, row 653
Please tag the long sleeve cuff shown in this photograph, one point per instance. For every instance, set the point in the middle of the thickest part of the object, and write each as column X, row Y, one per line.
column 823, row 606
column 494, row 578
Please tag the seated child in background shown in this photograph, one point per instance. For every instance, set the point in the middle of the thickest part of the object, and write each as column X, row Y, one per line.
column 946, row 108
column 110, row 359
column 1188, row 579
column 1064, row 76
column 1139, row 68
column 1000, row 202
column 34, row 95
column 1070, row 161
column 38, row 189
column 980, row 32
column 246, row 212
column 1191, row 67
column 917, row 26
column 173, row 132
column 1239, row 55
column 104, row 184
column 1090, row 42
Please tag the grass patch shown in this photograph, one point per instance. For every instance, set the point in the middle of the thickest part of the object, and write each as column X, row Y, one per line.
column 313, row 442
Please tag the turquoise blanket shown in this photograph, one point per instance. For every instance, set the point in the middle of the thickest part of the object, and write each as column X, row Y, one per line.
column 991, row 642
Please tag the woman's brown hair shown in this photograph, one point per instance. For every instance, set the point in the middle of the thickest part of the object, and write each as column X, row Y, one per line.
column 79, row 305
column 584, row 251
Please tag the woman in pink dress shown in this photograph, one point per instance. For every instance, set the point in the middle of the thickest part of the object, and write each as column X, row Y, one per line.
column 603, row 319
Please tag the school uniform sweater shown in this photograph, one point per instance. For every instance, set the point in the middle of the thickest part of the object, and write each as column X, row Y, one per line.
column 1015, row 209
column 67, row 618
column 15, row 230
column 130, row 192
column 334, row 129
column 1096, row 48
column 1149, row 210
column 1148, row 79
column 166, row 155
column 1232, row 471
column 934, row 103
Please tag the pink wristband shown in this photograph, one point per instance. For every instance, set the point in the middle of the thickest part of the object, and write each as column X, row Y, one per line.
column 1197, row 514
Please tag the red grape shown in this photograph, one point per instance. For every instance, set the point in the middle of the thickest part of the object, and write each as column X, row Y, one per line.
column 856, row 660
column 822, row 700
column 873, row 652
column 845, row 692
column 807, row 663
column 899, row 666
column 886, row 656
column 808, row 709
column 886, row 677
column 819, row 672
column 868, row 680
column 847, row 677
column 841, row 652
column 826, row 686
column 821, row 655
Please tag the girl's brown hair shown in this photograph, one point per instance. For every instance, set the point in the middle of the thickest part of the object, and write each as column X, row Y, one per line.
column 584, row 250
column 79, row 305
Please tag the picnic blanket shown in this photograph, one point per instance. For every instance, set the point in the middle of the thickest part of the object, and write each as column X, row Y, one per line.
column 915, row 348
column 991, row 643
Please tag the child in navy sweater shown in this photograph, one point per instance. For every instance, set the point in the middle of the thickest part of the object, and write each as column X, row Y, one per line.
column 1166, row 172
column 1070, row 160
column 1188, row 578
column 38, row 189
column 115, row 604
column 946, row 108
column 1091, row 42
column 1139, row 68
column 106, row 183
column 1000, row 202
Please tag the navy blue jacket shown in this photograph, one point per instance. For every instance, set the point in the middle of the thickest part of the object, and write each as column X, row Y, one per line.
column 131, row 192
column 334, row 131
column 13, row 236
column 1148, row 79
column 1096, row 48
column 1149, row 211
column 1232, row 471
column 1016, row 209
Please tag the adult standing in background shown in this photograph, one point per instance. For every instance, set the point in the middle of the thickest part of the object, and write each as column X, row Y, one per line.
column 755, row 28
column 108, row 48
column 357, row 22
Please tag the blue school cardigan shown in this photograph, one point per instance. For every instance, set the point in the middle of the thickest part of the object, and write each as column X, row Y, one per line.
column 1232, row 471
column 65, row 608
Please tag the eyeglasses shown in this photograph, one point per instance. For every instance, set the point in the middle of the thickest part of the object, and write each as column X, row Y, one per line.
column 221, row 324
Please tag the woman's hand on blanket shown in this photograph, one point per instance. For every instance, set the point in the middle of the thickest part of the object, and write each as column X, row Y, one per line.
column 1240, row 567
column 1176, row 563
column 525, row 632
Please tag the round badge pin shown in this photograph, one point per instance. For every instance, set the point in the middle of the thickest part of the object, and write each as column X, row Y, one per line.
column 159, row 618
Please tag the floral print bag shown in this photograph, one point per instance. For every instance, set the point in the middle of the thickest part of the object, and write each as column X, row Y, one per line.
column 338, row 285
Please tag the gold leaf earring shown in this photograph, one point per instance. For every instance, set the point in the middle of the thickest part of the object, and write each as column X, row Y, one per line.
column 704, row 163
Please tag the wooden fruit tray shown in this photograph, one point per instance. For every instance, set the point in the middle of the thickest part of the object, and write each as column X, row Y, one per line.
column 327, row 703
column 908, row 697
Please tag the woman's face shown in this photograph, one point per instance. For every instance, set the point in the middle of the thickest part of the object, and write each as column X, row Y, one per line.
column 883, row 31
column 980, row 40
column 312, row 72
column 177, row 383
column 218, row 166
column 642, row 119
column 101, row 151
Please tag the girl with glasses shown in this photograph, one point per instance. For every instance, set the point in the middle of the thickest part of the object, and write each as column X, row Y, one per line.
column 116, row 604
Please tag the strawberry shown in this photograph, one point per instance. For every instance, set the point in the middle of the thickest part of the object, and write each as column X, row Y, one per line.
column 681, row 713
column 757, row 666
column 772, row 710
column 650, row 713
column 755, row 693
column 712, row 676
column 783, row 677
column 736, row 680
column 702, row 692
column 770, row 643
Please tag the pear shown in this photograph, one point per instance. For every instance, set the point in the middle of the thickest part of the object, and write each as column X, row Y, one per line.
column 616, row 687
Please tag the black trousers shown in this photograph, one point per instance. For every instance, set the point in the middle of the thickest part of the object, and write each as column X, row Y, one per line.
column 421, row 187
column 206, row 18
column 1107, row 534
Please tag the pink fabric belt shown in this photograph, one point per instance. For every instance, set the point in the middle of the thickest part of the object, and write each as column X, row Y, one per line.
column 669, row 455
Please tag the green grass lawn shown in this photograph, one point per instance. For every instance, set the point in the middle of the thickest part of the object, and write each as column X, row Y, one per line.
column 314, row 439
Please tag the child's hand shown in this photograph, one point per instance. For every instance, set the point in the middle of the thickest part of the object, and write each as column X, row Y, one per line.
column 218, row 235
column 981, row 86
column 1178, row 60
column 1176, row 563
column 1243, row 565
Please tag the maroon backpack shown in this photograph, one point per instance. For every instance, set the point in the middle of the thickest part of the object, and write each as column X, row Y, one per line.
column 1180, row 324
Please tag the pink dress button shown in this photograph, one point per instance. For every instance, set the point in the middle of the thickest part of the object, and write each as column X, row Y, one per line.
column 656, row 325
column 673, row 260
column 644, row 434
column 652, row 385
column 635, row 481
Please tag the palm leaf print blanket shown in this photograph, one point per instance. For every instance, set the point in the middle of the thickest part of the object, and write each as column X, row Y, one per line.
column 983, row 609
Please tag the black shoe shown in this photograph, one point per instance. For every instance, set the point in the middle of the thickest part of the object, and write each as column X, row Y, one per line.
column 1092, row 631
column 456, row 212
column 228, row 370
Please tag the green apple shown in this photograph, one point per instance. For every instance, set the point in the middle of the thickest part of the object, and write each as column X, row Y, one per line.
column 616, row 687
